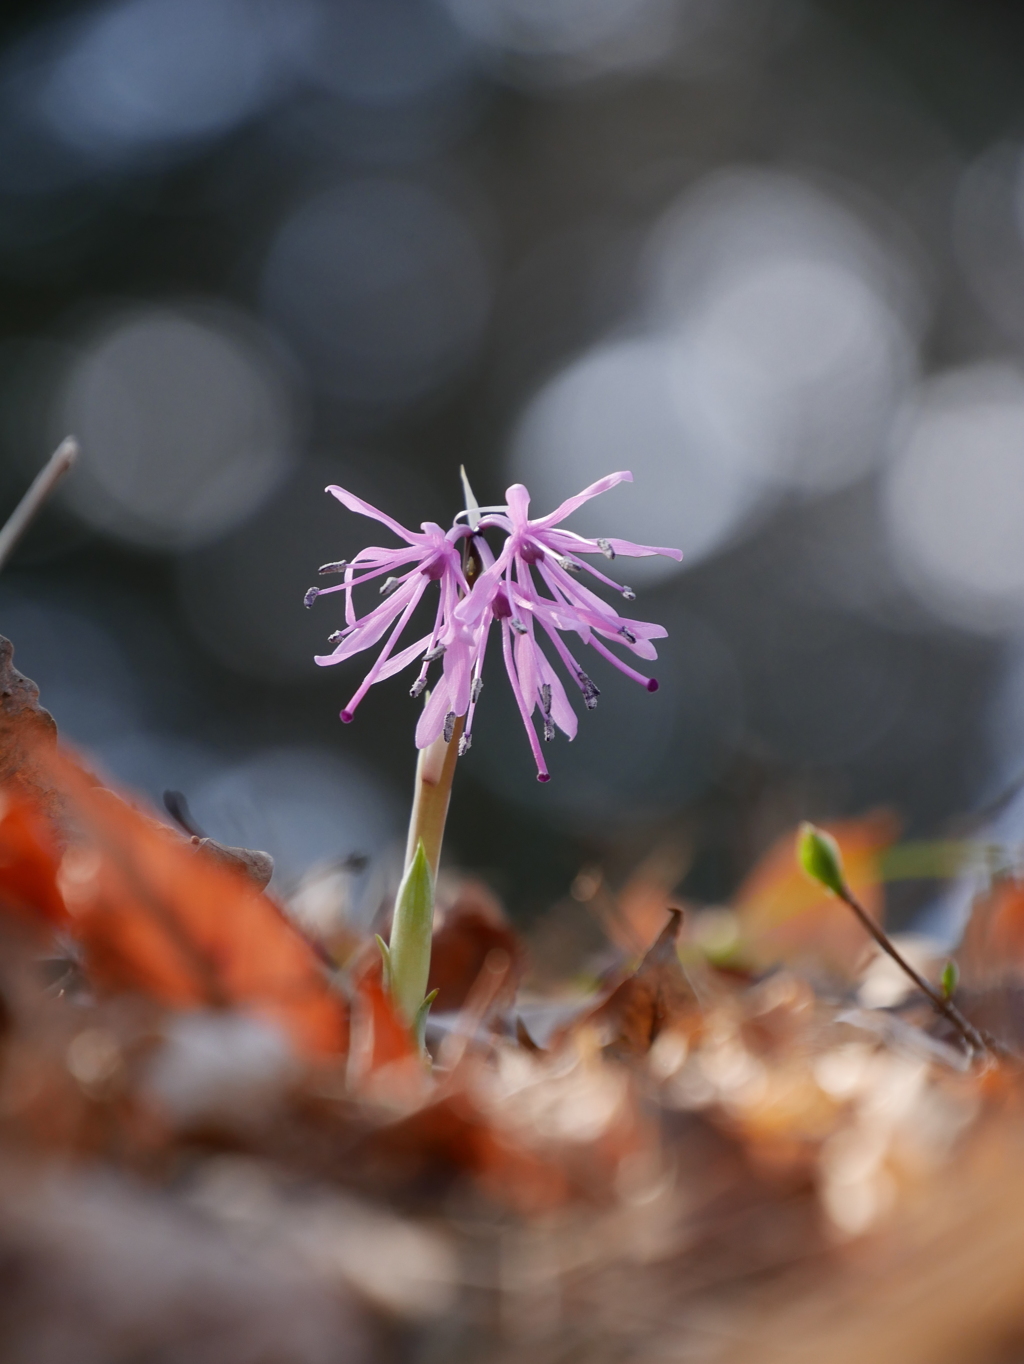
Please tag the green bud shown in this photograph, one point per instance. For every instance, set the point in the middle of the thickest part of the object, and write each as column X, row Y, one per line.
column 818, row 854
column 950, row 978
column 411, row 931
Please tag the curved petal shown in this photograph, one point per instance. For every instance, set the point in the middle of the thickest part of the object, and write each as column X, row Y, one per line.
column 570, row 504
column 357, row 504
column 518, row 499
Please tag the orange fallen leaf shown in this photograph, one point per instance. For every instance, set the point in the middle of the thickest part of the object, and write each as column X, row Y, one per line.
column 154, row 916
column 29, row 860
column 784, row 917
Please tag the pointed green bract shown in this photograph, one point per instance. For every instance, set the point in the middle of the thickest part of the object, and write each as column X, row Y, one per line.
column 385, row 957
column 818, row 854
column 409, row 953
column 420, row 1026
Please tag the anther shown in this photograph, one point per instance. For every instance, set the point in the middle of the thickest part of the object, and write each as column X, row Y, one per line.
column 465, row 744
column 517, row 625
column 628, row 593
column 388, row 586
column 417, row 687
column 336, row 638
column 478, row 686
column 434, row 654
column 549, row 729
column 567, row 564
column 606, row 549
column 449, row 726
column 545, row 698
column 627, row 635
column 338, row 566
column 310, row 597
column 590, row 691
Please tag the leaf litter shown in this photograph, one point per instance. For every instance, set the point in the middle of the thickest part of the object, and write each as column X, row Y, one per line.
column 218, row 1141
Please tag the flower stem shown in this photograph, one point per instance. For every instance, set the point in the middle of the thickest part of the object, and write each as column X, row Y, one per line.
column 435, row 770
column 407, row 960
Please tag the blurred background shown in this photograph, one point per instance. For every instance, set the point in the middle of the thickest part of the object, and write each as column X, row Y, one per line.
column 768, row 254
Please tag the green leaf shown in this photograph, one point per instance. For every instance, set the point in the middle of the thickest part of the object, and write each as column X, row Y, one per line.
column 818, row 854
column 950, row 978
column 411, row 932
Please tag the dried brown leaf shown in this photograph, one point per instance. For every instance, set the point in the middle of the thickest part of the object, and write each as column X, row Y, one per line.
column 657, row 995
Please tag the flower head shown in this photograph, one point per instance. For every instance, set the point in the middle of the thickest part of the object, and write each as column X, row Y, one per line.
column 429, row 555
column 508, row 592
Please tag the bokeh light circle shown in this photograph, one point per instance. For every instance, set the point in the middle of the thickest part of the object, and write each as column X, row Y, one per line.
column 144, row 73
column 185, row 421
column 954, row 498
column 614, row 408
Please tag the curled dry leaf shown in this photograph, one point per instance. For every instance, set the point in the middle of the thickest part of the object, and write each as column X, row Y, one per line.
column 785, row 918
column 656, row 996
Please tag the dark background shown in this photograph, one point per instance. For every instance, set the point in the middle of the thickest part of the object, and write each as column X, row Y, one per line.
column 769, row 255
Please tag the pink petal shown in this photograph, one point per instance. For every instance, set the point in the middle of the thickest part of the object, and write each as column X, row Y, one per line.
column 567, row 507
column 561, row 711
column 531, row 733
column 518, row 499
column 357, row 504
column 431, row 722
column 372, row 627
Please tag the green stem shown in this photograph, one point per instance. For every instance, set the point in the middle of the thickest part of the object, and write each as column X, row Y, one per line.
column 407, row 959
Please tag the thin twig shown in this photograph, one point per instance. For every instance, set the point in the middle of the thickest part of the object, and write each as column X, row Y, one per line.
column 42, row 486
column 974, row 1037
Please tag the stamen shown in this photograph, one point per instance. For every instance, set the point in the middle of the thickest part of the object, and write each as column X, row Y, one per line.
column 606, row 549
column 627, row 635
column 338, row 566
column 465, row 744
column 545, row 698
column 336, row 638
column 417, row 687
column 310, row 597
column 517, row 625
column 567, row 564
column 478, row 686
column 590, row 691
column 628, row 593
column 434, row 654
column 388, row 586
column 549, row 729
column 449, row 726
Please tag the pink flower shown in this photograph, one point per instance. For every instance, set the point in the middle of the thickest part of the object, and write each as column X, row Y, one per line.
column 507, row 592
column 427, row 556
